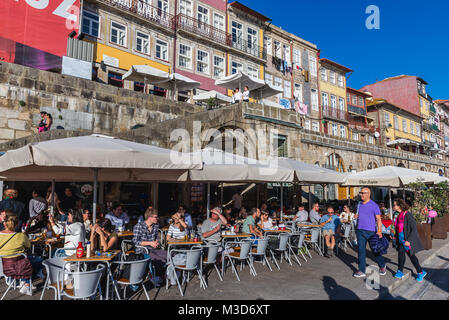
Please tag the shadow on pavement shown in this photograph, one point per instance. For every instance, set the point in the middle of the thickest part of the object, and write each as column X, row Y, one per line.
column 337, row 292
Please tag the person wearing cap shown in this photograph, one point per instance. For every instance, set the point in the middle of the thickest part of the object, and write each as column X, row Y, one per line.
column 211, row 227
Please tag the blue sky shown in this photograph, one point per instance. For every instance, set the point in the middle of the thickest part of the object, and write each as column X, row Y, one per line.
column 413, row 38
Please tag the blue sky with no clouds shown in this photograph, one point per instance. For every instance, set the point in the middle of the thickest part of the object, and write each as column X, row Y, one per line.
column 413, row 38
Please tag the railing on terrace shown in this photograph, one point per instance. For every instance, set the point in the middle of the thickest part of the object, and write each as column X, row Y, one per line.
column 357, row 110
column 203, row 29
column 248, row 47
column 145, row 10
column 335, row 113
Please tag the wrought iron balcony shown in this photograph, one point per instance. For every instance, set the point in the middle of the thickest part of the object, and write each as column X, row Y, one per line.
column 248, row 47
column 334, row 113
column 200, row 28
column 432, row 109
column 145, row 10
column 357, row 110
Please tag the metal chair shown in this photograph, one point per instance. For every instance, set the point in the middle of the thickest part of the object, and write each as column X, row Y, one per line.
column 137, row 274
column 260, row 251
column 193, row 263
column 127, row 247
column 285, row 248
column 242, row 255
column 85, row 283
column 347, row 229
column 11, row 282
column 53, row 266
column 314, row 240
column 211, row 259
column 298, row 238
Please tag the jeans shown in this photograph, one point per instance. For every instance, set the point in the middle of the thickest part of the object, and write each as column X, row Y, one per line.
column 362, row 239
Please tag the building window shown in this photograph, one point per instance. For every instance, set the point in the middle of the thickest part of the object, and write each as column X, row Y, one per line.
column 280, row 145
column 396, row 122
column 185, row 56
column 307, row 124
column 354, row 100
column 268, row 78
column 387, row 119
column 219, row 22
column 287, row 89
column 355, row 136
column 142, row 42
column 341, row 104
column 332, row 76
column 297, row 57
column 118, row 34
column 342, row 131
column 324, row 99
column 361, row 102
column 287, row 55
column 202, row 62
column 277, row 49
column 348, row 98
column 162, row 5
column 341, row 82
column 185, row 8
column 298, row 92
column 161, row 50
column 203, row 17
column 404, row 125
column 334, row 102
column 315, row 126
column 312, row 65
column 218, row 67
column 253, row 72
column 412, row 128
column 323, row 72
column 334, row 129
column 236, row 67
column 314, row 99
column 278, row 82
column 91, row 24
column 237, row 33
column 267, row 45
column 252, row 40
column 418, row 129
column 115, row 79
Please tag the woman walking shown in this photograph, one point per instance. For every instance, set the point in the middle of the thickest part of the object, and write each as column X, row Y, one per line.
column 407, row 239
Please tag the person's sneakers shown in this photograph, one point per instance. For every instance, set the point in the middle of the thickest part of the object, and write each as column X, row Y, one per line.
column 421, row 276
column 330, row 253
column 26, row 290
column 359, row 274
column 326, row 255
column 383, row 271
column 134, row 287
column 399, row 274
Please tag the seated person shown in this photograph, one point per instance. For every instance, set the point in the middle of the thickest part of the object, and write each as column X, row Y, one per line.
column 186, row 216
column 329, row 223
column 302, row 215
column 74, row 231
column 211, row 227
column 346, row 216
column 242, row 214
column 13, row 244
column 102, row 237
column 249, row 226
column 265, row 221
column 178, row 229
column 118, row 217
column 314, row 215
column 87, row 220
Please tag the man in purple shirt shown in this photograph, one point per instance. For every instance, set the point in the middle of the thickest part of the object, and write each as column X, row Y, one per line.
column 368, row 220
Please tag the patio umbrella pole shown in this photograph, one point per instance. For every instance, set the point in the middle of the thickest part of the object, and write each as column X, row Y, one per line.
column 94, row 205
column 52, row 197
column 221, row 194
column 391, row 207
column 310, row 198
column 403, row 193
column 282, row 199
column 208, row 200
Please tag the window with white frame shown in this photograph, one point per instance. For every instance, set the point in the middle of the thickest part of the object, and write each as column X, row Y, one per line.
column 218, row 67
column 236, row 67
column 253, row 72
column 185, row 56
column 91, row 24
column 332, row 77
column 185, row 7
column 161, row 50
column 348, row 98
column 412, row 128
column 277, row 49
column 312, row 64
column 334, row 129
column 341, row 104
column 396, row 122
column 287, row 55
column 142, row 42
column 237, row 33
column 252, row 39
column 267, row 45
column 202, row 61
column 334, row 102
column 307, row 124
column 354, row 100
column 355, row 136
column 118, row 34
column 361, row 102
column 162, row 5
column 298, row 92
column 404, row 125
column 371, row 139
column 324, row 99
column 287, row 89
column 219, row 22
column 323, row 73
column 341, row 82
column 315, row 126
column 387, row 119
column 268, row 78
column 418, row 129
column 203, row 17
column 314, row 99
column 342, row 131
column 278, row 82
column 297, row 57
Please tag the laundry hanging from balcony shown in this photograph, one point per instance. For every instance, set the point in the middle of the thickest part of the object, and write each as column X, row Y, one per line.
column 281, row 65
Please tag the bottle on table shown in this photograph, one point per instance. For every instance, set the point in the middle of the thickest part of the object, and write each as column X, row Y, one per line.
column 87, row 249
column 80, row 250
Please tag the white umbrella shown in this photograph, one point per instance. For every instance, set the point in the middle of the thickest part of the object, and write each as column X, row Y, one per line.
column 180, row 82
column 142, row 73
column 266, row 91
column 212, row 94
column 390, row 176
column 240, row 80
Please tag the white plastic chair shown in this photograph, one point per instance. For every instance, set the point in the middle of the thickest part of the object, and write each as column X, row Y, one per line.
column 53, row 266
column 137, row 274
column 260, row 251
column 85, row 283
column 12, row 282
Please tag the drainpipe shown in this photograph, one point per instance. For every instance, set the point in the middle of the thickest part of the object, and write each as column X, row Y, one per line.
column 227, row 51
column 175, row 19
column 319, row 93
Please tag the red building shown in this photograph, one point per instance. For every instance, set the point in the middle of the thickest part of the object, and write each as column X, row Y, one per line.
column 360, row 126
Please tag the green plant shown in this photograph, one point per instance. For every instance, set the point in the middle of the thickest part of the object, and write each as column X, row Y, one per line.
column 212, row 102
column 22, row 103
column 60, row 117
column 434, row 197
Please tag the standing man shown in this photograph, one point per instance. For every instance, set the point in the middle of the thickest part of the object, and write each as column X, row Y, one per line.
column 68, row 201
column 18, row 208
column 368, row 219
column 314, row 216
column 237, row 199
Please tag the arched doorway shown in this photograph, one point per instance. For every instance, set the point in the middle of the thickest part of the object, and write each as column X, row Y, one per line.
column 401, row 165
column 372, row 165
column 335, row 162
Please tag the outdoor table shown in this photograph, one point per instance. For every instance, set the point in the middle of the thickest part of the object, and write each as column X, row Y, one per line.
column 123, row 234
column 275, row 231
column 182, row 242
column 102, row 259
column 48, row 242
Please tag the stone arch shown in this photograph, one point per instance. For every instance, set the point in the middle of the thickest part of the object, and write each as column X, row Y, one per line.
column 372, row 165
column 232, row 139
column 401, row 165
column 423, row 169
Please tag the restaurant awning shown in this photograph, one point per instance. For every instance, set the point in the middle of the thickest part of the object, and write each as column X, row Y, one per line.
column 179, row 82
column 402, row 141
column 240, row 80
column 212, row 94
column 145, row 74
column 266, row 91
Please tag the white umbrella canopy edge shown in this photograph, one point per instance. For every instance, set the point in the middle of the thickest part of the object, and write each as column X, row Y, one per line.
column 212, row 94
column 142, row 73
column 239, row 80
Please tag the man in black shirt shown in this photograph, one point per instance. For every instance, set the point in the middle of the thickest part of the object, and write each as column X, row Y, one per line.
column 68, row 201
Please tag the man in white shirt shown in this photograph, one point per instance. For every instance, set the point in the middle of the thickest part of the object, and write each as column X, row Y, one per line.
column 118, row 218
column 302, row 215
column 245, row 95
column 237, row 95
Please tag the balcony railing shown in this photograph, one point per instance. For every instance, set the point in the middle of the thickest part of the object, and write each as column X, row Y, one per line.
column 335, row 113
column 248, row 47
column 432, row 109
column 357, row 110
column 145, row 10
column 203, row 29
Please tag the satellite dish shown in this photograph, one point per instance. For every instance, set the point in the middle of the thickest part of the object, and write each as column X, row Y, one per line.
column 377, row 134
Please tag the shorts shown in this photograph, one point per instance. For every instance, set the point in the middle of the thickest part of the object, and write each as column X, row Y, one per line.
column 328, row 232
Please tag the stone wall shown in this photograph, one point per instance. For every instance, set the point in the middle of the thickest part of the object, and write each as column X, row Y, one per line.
column 75, row 104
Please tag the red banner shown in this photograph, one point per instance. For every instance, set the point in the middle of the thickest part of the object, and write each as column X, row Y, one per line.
column 39, row 24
